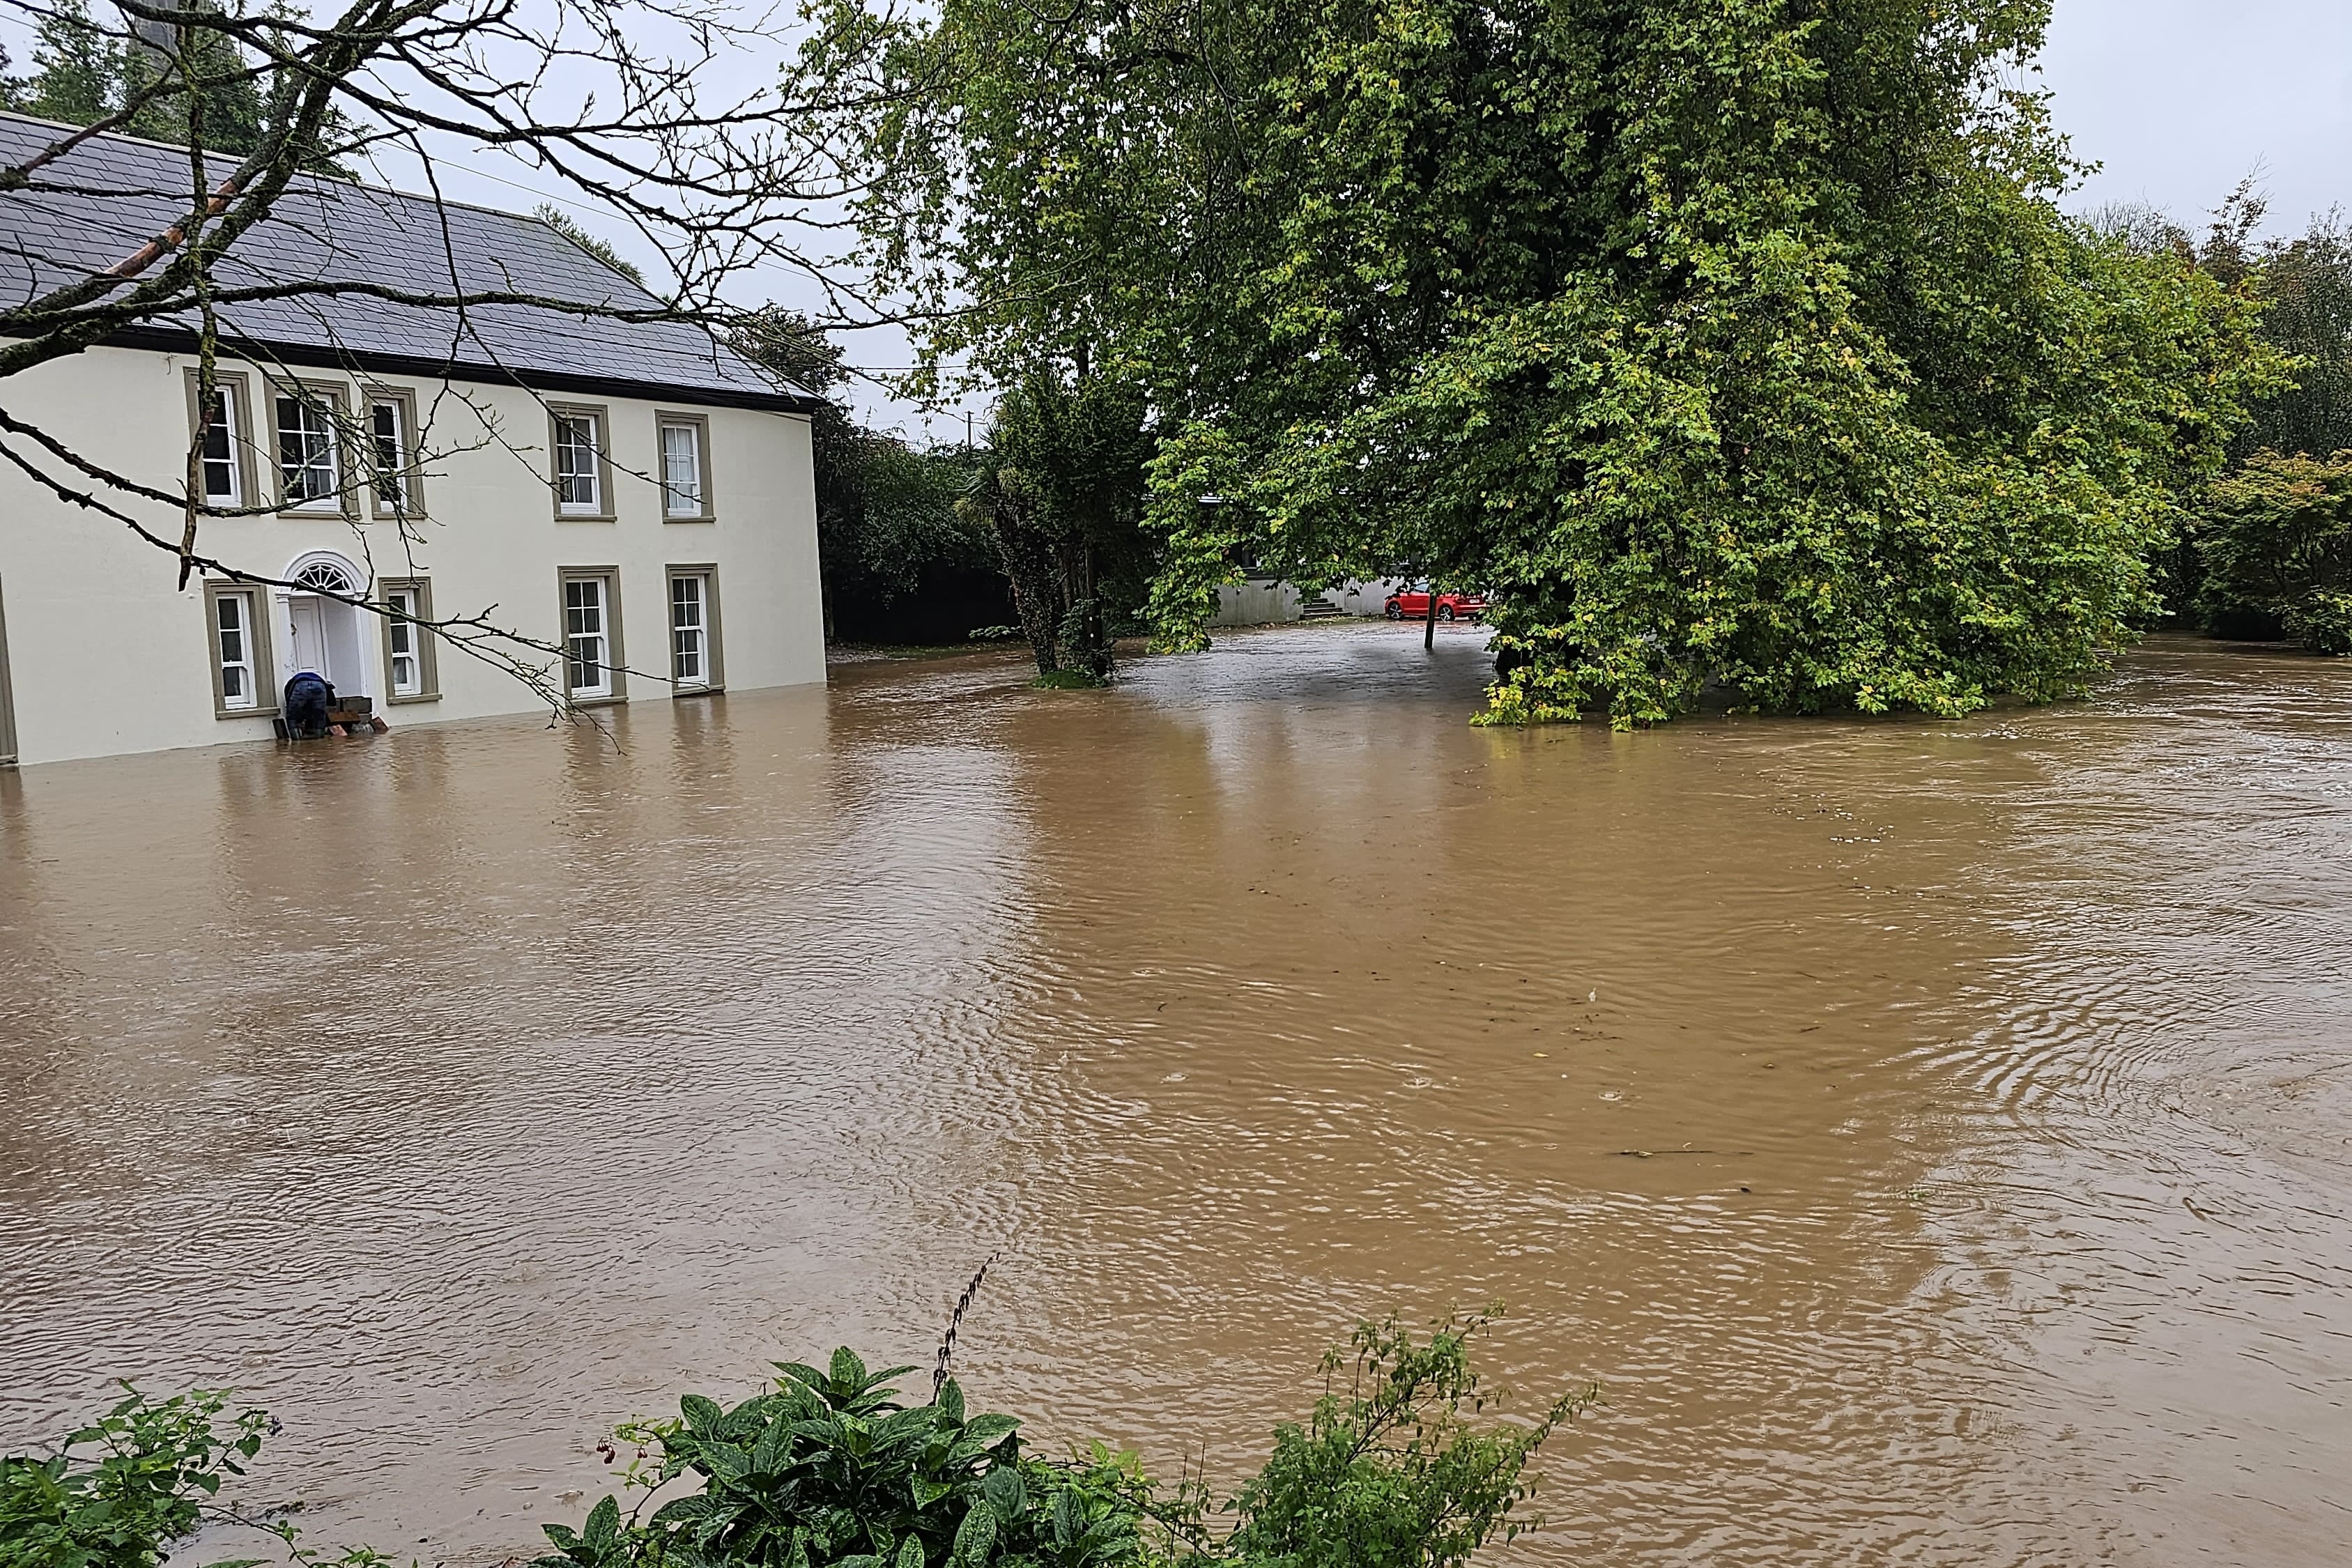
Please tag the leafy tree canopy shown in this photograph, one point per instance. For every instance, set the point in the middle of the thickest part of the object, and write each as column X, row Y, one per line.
column 1732, row 343
column 2265, row 556
column 2305, row 284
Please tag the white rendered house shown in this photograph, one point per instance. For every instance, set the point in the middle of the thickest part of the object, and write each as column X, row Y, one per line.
column 631, row 494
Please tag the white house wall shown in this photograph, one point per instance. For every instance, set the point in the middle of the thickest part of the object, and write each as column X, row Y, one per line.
column 108, row 656
column 1255, row 602
column 1357, row 598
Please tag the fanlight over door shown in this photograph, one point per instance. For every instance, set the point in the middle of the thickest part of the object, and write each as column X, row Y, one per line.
column 326, row 577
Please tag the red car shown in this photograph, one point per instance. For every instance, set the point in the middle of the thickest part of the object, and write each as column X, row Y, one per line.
column 1412, row 605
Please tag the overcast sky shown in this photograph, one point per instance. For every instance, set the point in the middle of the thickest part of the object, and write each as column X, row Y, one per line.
column 2181, row 99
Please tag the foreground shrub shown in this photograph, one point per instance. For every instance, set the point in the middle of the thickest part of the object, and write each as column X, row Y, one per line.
column 1391, row 1474
column 831, row 1471
column 115, row 1493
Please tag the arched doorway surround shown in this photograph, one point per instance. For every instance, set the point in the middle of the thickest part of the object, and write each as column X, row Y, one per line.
column 323, row 633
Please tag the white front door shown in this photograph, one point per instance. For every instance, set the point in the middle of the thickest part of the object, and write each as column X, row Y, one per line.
column 309, row 643
column 325, row 639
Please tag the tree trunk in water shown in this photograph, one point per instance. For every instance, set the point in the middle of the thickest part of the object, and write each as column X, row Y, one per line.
column 1429, row 623
column 1038, row 597
column 1097, row 650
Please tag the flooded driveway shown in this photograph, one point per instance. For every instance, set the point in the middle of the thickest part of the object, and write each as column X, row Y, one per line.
column 1934, row 1137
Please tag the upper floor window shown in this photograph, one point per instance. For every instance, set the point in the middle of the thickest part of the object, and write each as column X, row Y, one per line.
column 685, row 485
column 224, row 443
column 309, row 476
column 223, row 480
column 580, row 463
column 392, row 453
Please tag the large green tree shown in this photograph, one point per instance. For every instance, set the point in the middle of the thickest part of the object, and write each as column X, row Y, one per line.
column 1731, row 342
column 1060, row 491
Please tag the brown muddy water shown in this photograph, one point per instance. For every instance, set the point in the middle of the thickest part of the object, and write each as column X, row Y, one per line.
column 1932, row 1136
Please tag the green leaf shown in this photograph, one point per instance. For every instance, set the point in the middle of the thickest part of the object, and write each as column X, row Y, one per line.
column 773, row 1451
column 976, row 1536
column 1006, row 1493
column 603, row 1525
column 800, row 1372
column 915, row 1422
column 988, row 1429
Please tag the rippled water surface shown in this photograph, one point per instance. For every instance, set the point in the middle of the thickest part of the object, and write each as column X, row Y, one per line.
column 1933, row 1137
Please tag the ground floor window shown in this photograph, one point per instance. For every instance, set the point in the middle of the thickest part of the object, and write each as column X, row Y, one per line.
column 693, row 628
column 409, row 666
column 243, row 677
column 592, row 634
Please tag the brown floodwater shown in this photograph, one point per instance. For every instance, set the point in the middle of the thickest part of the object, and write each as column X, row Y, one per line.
column 1933, row 1137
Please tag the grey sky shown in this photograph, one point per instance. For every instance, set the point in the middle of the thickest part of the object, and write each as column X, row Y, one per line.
column 2181, row 99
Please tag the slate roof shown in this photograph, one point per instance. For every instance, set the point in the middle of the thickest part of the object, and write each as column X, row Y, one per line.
column 340, row 230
